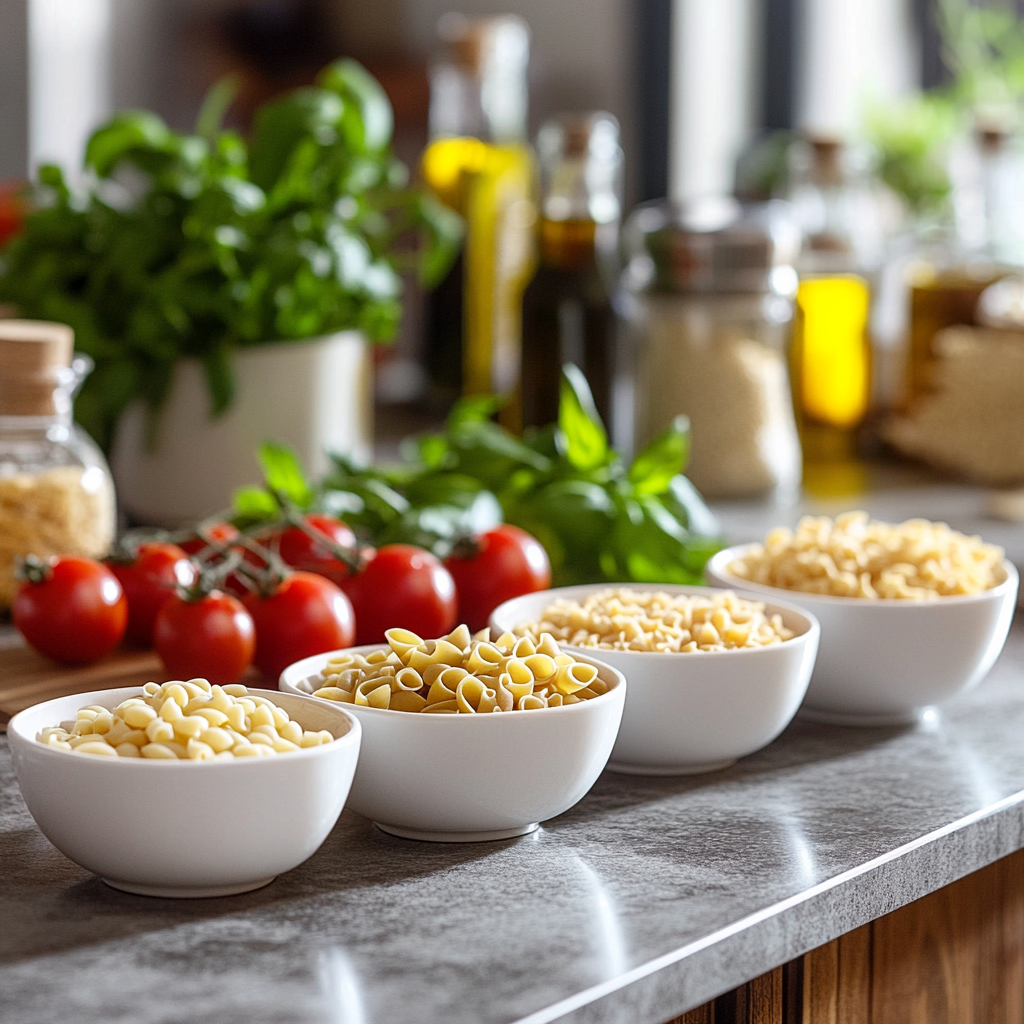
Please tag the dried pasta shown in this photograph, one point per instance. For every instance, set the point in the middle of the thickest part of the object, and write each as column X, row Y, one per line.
column 630, row 620
column 181, row 720
column 460, row 674
column 854, row 556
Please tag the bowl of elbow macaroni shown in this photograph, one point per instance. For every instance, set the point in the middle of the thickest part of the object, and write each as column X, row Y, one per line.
column 712, row 676
column 468, row 738
column 911, row 613
column 184, row 789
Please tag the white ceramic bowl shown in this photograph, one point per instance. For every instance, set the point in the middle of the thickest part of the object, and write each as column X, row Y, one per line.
column 696, row 712
column 185, row 828
column 882, row 662
column 466, row 778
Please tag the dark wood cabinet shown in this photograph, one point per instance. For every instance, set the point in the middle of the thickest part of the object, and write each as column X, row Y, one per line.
column 954, row 957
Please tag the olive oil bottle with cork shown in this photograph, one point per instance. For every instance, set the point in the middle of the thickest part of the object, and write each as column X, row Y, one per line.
column 479, row 163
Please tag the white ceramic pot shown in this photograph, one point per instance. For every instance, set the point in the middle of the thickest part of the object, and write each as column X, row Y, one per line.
column 314, row 395
column 698, row 712
column 185, row 828
column 467, row 778
column 882, row 662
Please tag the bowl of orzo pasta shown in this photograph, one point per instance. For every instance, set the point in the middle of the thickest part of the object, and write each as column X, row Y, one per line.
column 911, row 613
column 713, row 675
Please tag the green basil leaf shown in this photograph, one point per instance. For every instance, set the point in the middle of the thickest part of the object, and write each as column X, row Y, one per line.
column 215, row 106
column 583, row 437
column 474, row 409
column 663, row 458
column 686, row 504
column 283, row 474
column 220, row 378
column 254, row 505
column 371, row 129
column 129, row 131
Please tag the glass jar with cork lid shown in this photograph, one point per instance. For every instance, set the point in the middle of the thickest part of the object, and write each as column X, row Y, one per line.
column 56, row 493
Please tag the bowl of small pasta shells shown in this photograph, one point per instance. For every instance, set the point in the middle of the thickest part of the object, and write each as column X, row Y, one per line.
column 468, row 738
column 184, row 789
column 911, row 613
column 712, row 676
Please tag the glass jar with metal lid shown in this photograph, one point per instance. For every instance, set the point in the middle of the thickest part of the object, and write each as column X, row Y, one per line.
column 56, row 494
column 707, row 295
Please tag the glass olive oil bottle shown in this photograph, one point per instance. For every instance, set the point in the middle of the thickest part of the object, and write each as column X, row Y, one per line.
column 830, row 360
column 479, row 164
column 567, row 308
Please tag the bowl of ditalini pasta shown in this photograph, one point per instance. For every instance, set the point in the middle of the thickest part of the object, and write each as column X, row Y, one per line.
column 712, row 676
column 911, row 613
column 468, row 737
column 185, row 789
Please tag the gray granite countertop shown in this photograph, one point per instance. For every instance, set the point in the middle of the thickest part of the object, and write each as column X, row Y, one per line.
column 647, row 898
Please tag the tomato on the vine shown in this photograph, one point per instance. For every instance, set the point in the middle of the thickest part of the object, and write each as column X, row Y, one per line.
column 218, row 533
column 149, row 580
column 503, row 563
column 301, row 551
column 70, row 608
column 402, row 585
column 304, row 615
column 211, row 636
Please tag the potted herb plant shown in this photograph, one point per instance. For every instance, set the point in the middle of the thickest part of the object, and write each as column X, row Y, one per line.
column 228, row 289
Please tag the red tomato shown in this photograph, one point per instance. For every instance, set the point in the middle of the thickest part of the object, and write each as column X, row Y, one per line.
column 305, row 615
column 148, row 582
column 402, row 586
column 212, row 637
column 220, row 533
column 75, row 613
column 301, row 551
column 508, row 562
column 12, row 211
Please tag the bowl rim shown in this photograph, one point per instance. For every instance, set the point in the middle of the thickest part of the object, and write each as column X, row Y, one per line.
column 812, row 626
column 999, row 590
column 620, row 685
column 16, row 729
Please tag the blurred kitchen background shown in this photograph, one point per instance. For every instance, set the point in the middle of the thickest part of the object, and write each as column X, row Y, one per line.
column 831, row 187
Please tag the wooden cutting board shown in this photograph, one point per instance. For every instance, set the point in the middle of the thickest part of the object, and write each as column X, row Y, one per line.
column 26, row 678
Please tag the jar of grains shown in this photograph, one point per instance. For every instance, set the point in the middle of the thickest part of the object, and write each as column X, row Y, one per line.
column 56, row 494
column 707, row 297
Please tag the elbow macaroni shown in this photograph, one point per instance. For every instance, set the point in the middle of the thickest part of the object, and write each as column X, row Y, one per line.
column 854, row 556
column 460, row 674
column 180, row 721
column 630, row 620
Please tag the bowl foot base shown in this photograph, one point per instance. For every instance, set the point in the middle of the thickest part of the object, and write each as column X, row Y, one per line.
column 669, row 769
column 911, row 717
column 187, row 892
column 457, row 837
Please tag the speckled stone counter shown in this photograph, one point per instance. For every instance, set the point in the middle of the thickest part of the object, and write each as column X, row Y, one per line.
column 648, row 898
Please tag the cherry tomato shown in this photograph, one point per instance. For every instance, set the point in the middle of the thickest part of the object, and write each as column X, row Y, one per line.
column 72, row 609
column 301, row 551
column 220, row 533
column 507, row 563
column 212, row 637
column 305, row 615
column 148, row 582
column 402, row 586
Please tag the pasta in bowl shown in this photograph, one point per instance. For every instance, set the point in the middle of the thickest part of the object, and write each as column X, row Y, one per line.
column 712, row 676
column 514, row 738
column 911, row 614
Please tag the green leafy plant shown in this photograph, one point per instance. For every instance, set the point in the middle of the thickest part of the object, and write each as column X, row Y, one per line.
column 597, row 517
column 196, row 245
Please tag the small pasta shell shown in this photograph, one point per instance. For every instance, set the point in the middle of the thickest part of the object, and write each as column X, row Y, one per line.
column 407, row 700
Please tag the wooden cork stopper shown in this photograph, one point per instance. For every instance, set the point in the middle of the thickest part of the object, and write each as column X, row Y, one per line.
column 32, row 354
